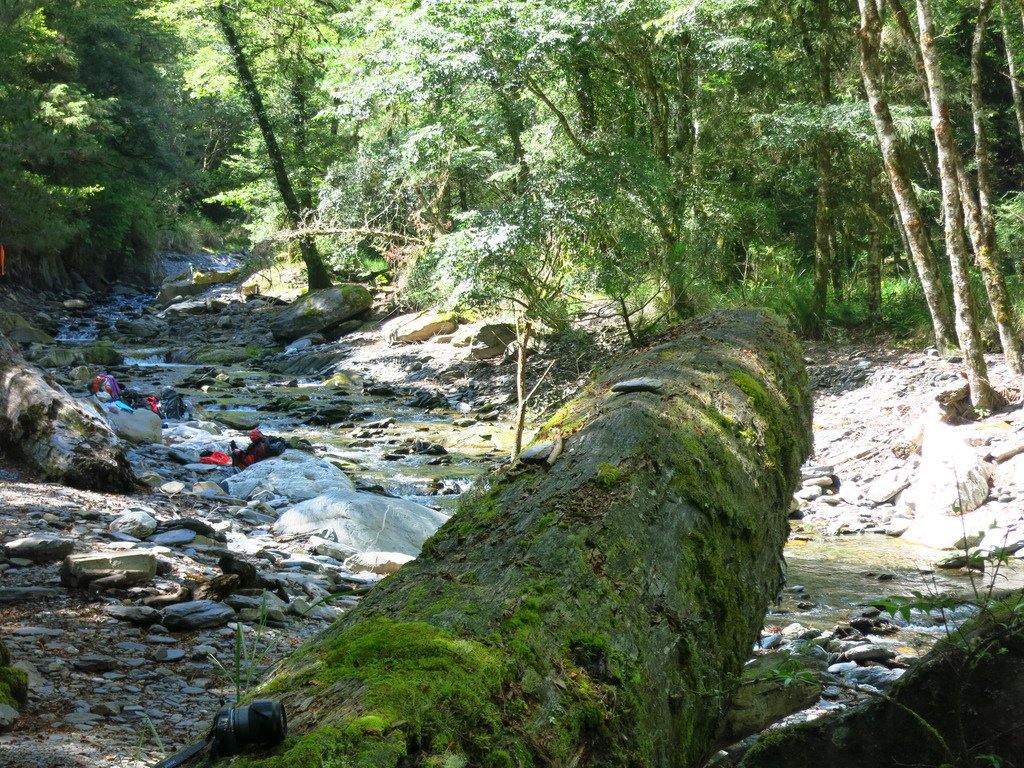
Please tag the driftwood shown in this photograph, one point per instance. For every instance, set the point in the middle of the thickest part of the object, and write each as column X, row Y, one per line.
column 592, row 613
column 43, row 426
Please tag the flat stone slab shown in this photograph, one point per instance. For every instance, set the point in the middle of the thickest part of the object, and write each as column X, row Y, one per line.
column 40, row 549
column 129, row 567
column 638, row 385
column 197, row 614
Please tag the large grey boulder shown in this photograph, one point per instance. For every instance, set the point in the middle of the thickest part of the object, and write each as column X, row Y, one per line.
column 363, row 522
column 139, row 426
column 295, row 475
column 65, row 439
column 320, row 311
column 135, row 523
column 418, row 326
column 192, row 283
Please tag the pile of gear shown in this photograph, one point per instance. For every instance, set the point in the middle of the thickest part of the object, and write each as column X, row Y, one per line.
column 168, row 405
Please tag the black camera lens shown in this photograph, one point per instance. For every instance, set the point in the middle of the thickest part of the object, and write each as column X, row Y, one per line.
column 260, row 723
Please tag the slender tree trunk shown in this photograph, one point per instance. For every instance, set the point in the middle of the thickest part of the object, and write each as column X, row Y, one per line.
column 987, row 252
column 874, row 274
column 524, row 333
column 822, row 239
column 1011, row 66
column 909, row 210
column 316, row 274
column 982, row 395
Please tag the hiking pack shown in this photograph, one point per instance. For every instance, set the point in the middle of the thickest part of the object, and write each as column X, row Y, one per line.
column 262, row 447
column 105, row 382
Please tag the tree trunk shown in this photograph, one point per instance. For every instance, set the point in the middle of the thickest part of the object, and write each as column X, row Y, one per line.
column 987, row 251
column 53, row 433
column 822, row 241
column 316, row 274
column 982, row 395
column 958, row 707
column 903, row 191
column 874, row 274
column 594, row 612
column 524, row 334
column 1011, row 66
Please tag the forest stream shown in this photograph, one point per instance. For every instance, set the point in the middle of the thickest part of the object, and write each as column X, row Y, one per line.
column 414, row 421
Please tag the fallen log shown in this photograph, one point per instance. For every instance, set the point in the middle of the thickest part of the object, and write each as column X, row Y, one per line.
column 594, row 612
column 958, row 707
column 43, row 426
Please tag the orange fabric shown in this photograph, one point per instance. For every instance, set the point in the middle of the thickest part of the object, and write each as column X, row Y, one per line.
column 3, row 261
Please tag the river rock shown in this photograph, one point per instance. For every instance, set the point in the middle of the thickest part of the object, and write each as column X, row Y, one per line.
column 491, row 340
column 419, row 326
column 40, row 549
column 196, row 614
column 130, row 567
column 141, row 615
column 320, row 311
column 139, row 426
column 951, row 479
column 296, row 475
column 383, row 563
column 364, row 521
column 193, row 283
column 637, row 385
column 29, row 335
column 135, row 523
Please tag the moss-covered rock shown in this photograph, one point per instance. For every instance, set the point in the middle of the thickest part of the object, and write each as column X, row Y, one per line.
column 42, row 425
column 102, row 354
column 594, row 613
column 320, row 311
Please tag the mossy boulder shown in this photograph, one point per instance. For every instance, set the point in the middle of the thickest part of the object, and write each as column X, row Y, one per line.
column 58, row 357
column 26, row 335
column 595, row 612
column 320, row 311
column 44, row 426
column 216, row 355
column 10, row 320
column 102, row 354
column 193, row 283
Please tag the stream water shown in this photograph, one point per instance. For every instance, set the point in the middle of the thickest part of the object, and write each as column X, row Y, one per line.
column 828, row 577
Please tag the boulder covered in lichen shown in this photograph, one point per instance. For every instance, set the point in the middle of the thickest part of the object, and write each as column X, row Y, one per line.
column 45, row 427
column 13, row 689
column 594, row 609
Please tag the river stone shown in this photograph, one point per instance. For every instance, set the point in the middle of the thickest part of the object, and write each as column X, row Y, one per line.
column 638, row 385
column 320, row 311
column 135, row 523
column 193, row 283
column 887, row 487
column 141, row 615
column 951, row 479
column 364, row 521
column 296, row 475
column 40, row 549
column 8, row 715
column 29, row 335
column 172, row 487
column 383, row 563
column 491, row 340
column 868, row 652
column 59, row 357
column 139, row 426
column 134, row 567
column 418, row 326
column 196, row 614
column 537, row 454
column 174, row 537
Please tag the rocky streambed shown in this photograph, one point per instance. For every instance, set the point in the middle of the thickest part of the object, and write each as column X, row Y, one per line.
column 384, row 436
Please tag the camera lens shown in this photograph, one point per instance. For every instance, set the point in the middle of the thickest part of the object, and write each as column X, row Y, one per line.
column 261, row 723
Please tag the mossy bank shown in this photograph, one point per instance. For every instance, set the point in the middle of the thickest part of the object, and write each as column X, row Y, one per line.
column 591, row 613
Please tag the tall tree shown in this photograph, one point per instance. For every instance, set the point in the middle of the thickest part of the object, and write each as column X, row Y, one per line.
column 317, row 275
column 982, row 394
column 910, row 215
